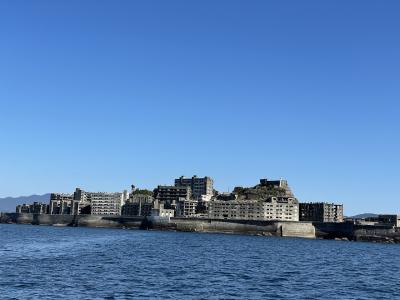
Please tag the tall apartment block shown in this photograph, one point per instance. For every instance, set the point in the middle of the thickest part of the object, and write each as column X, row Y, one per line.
column 321, row 212
column 199, row 185
column 107, row 203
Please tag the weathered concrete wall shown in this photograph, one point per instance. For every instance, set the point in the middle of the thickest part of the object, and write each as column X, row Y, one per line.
column 69, row 220
column 334, row 230
column 350, row 231
column 267, row 228
column 225, row 227
column 297, row 229
column 376, row 234
column 60, row 220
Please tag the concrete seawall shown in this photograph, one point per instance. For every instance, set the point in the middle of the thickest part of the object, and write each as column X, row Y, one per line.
column 343, row 231
column 70, row 220
column 265, row 228
column 354, row 232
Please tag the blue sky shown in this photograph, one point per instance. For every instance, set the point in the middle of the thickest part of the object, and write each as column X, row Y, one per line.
column 102, row 94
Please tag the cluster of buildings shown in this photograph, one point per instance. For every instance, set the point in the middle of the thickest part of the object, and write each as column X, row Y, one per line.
column 35, row 208
column 192, row 197
column 385, row 220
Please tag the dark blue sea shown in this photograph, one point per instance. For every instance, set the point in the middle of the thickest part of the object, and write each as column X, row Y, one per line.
column 40, row 262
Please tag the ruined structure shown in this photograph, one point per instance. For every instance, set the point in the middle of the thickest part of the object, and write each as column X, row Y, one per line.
column 269, row 200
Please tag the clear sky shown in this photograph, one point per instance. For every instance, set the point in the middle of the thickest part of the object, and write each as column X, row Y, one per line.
column 102, row 94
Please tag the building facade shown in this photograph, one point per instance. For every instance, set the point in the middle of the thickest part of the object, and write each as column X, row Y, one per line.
column 279, row 184
column 199, row 185
column 105, row 204
column 61, row 204
column 35, row 208
column 159, row 211
column 275, row 208
column 82, row 202
column 171, row 195
column 138, row 205
column 321, row 212
column 187, row 208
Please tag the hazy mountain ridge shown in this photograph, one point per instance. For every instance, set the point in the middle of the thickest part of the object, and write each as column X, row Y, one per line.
column 8, row 204
column 364, row 215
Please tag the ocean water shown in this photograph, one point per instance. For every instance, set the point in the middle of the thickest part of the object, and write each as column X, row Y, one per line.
column 40, row 262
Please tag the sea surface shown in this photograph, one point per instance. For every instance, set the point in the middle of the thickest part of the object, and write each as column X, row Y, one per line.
column 40, row 262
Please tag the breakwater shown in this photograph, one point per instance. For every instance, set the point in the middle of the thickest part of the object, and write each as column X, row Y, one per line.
column 342, row 231
column 355, row 232
column 265, row 228
column 72, row 220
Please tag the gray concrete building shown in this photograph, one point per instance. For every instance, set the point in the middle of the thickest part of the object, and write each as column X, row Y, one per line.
column 321, row 212
column 159, row 210
column 171, row 195
column 35, row 208
column 281, row 184
column 387, row 219
column 393, row 220
column 200, row 186
column 138, row 205
column 61, row 204
column 274, row 208
column 187, row 208
column 104, row 204
column 82, row 202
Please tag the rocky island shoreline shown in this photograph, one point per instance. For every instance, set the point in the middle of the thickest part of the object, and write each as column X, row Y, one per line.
column 332, row 231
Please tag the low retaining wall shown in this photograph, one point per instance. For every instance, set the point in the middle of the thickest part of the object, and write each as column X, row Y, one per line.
column 354, row 232
column 70, row 220
column 297, row 229
column 266, row 228
column 348, row 231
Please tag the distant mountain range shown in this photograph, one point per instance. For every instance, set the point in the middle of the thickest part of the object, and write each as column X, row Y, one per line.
column 8, row 204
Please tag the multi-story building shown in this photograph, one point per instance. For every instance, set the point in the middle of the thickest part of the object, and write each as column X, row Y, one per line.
column 138, row 205
column 82, row 202
column 171, row 195
column 274, row 208
column 187, row 208
column 35, row 208
column 23, row 209
column 106, row 203
column 159, row 211
column 279, row 184
column 61, row 204
column 321, row 212
column 199, row 185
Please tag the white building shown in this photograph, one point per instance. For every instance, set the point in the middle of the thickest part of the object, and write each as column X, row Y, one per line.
column 275, row 208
